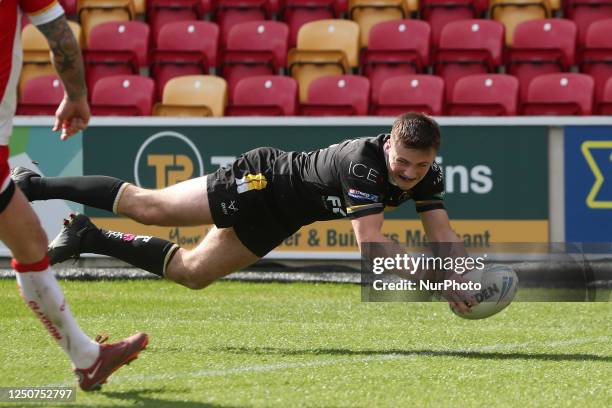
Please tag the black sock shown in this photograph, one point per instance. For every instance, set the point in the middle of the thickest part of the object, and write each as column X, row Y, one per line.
column 142, row 251
column 94, row 191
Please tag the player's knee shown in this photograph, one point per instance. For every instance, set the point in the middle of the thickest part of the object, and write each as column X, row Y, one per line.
column 150, row 212
column 198, row 275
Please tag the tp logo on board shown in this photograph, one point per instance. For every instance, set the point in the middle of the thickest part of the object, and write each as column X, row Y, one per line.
column 165, row 159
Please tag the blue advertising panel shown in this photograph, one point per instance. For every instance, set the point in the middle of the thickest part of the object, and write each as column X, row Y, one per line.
column 588, row 184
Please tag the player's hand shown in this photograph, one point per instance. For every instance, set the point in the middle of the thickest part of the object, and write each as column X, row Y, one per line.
column 460, row 301
column 71, row 116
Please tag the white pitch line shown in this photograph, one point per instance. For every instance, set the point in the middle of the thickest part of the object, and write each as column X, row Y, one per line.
column 365, row 359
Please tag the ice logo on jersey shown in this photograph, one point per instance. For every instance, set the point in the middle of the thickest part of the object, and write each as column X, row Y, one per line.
column 360, row 195
column 336, row 205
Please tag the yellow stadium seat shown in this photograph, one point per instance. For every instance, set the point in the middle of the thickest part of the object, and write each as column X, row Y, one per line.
column 193, row 95
column 368, row 13
column 512, row 12
column 413, row 5
column 140, row 7
column 36, row 54
column 94, row 12
column 324, row 47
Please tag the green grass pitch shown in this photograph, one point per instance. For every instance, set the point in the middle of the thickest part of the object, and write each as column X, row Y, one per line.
column 287, row 345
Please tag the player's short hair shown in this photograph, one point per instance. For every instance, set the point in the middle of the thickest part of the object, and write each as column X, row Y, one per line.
column 416, row 131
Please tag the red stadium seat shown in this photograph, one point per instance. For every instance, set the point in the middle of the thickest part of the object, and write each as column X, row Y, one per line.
column 232, row 12
column 337, row 95
column 481, row 7
column 69, row 6
column 266, row 95
column 296, row 13
column 41, row 96
column 440, row 12
column 254, row 48
column 586, row 12
column 184, row 48
column 123, row 95
column 559, row 94
column 468, row 47
column 162, row 12
column 116, row 48
column 397, row 47
column 541, row 47
column 485, row 95
column 596, row 57
column 604, row 104
column 421, row 93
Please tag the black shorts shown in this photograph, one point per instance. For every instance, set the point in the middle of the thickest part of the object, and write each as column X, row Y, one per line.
column 240, row 196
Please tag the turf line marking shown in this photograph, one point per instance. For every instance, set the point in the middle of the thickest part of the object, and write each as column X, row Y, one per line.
column 365, row 359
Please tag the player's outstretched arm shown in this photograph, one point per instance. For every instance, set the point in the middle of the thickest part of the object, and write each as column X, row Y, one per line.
column 369, row 229
column 73, row 113
column 438, row 229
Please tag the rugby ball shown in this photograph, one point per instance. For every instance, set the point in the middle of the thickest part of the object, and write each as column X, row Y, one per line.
column 498, row 285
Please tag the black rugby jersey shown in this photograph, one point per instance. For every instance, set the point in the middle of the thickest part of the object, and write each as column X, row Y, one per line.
column 348, row 179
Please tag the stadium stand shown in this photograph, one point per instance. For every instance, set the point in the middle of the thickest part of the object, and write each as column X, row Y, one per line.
column 232, row 12
column 513, row 12
column 398, row 47
column 586, row 12
column 468, row 47
column 41, row 96
column 36, row 56
column 596, row 56
column 296, row 13
column 377, row 39
column 604, row 103
column 337, row 95
column 162, row 12
column 368, row 13
column 193, row 95
column 123, row 95
column 325, row 47
column 184, row 48
column 440, row 12
column 422, row 93
column 116, row 48
column 267, row 95
column 94, row 12
column 254, row 48
column 559, row 94
column 541, row 47
column 484, row 95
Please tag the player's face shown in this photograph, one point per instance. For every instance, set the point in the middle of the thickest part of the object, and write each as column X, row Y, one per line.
column 408, row 166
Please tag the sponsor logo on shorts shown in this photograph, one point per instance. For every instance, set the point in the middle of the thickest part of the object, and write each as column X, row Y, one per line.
column 232, row 206
column 251, row 182
column 360, row 195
